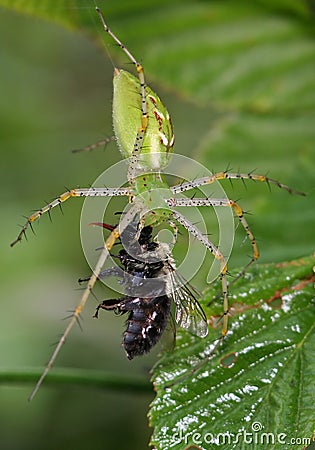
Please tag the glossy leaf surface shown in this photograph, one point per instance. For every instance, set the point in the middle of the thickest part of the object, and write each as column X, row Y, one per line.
column 261, row 380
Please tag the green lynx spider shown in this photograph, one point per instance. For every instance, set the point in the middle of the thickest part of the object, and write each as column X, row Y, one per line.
column 145, row 135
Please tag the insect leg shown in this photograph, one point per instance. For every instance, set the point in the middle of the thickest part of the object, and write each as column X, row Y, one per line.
column 229, row 176
column 108, row 305
column 84, row 192
column 111, row 272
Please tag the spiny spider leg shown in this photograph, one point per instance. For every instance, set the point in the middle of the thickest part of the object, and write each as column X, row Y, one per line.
column 133, row 162
column 237, row 210
column 138, row 66
column 108, row 245
column 133, row 168
column 78, row 310
column 84, row 192
column 229, row 176
column 219, row 256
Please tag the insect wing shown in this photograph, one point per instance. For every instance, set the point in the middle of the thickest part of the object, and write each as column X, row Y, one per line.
column 189, row 314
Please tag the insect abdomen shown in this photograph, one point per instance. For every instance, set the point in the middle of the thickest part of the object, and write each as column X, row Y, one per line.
column 146, row 323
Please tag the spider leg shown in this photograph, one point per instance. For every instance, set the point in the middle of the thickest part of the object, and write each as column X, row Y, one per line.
column 133, row 160
column 183, row 187
column 225, row 202
column 98, row 144
column 138, row 66
column 223, row 273
column 80, row 192
column 110, row 241
column 217, row 255
column 79, row 308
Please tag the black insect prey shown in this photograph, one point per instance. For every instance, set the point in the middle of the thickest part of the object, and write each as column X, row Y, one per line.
column 151, row 283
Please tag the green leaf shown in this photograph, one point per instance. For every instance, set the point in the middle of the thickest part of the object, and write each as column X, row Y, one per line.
column 262, row 376
column 269, row 52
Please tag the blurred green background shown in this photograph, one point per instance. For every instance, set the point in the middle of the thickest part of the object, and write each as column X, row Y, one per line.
column 239, row 84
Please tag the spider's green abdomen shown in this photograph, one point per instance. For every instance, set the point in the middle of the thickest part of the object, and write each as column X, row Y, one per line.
column 159, row 137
